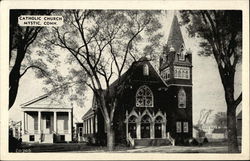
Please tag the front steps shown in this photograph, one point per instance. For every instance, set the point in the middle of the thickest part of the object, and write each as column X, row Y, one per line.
column 152, row 142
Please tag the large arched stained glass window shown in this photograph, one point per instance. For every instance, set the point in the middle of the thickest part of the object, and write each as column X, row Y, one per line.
column 144, row 97
column 182, row 98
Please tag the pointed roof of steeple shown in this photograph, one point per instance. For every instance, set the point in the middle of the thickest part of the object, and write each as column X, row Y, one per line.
column 175, row 38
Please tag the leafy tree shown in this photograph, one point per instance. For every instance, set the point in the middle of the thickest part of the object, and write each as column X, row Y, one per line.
column 104, row 43
column 221, row 36
column 220, row 120
column 21, row 39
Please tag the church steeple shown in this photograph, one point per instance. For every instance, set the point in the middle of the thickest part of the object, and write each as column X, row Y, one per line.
column 175, row 39
column 175, row 61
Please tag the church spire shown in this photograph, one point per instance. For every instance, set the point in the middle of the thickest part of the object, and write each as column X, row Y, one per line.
column 175, row 39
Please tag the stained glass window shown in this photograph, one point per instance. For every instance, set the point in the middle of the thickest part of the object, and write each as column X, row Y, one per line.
column 182, row 98
column 181, row 72
column 146, row 119
column 145, row 69
column 185, row 127
column 158, row 120
column 144, row 97
column 132, row 119
column 178, row 127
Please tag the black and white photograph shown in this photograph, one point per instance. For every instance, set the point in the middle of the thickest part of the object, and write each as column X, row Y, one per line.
column 126, row 81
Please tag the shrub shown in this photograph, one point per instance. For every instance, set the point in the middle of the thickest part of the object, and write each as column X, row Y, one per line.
column 205, row 141
column 194, row 142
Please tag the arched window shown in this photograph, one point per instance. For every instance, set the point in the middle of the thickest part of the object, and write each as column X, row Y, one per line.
column 182, row 98
column 182, row 53
column 179, row 73
column 132, row 119
column 144, row 97
column 187, row 75
column 158, row 119
column 145, row 69
column 145, row 119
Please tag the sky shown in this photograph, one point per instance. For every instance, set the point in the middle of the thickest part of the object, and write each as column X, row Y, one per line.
column 207, row 88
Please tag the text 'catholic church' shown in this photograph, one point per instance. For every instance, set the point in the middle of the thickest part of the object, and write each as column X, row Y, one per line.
column 156, row 107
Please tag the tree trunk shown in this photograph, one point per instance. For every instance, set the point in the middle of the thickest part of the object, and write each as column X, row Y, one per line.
column 231, row 120
column 110, row 137
column 14, row 76
column 232, row 130
column 13, row 87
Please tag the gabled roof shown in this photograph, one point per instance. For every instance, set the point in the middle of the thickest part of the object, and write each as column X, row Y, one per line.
column 88, row 113
column 45, row 101
column 125, row 77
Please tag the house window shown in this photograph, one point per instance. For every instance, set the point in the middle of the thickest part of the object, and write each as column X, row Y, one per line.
column 80, row 131
column 178, row 127
column 185, row 127
column 96, row 124
column 87, row 129
column 145, row 70
column 47, row 122
column 144, row 97
column 35, row 123
column 182, row 98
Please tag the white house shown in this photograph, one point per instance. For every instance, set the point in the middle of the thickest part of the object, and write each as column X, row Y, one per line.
column 46, row 120
column 219, row 134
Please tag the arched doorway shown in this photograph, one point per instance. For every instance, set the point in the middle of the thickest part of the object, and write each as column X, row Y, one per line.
column 145, row 126
column 158, row 127
column 132, row 126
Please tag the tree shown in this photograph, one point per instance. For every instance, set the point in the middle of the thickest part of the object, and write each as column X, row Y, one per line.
column 21, row 38
column 220, row 120
column 221, row 36
column 103, row 43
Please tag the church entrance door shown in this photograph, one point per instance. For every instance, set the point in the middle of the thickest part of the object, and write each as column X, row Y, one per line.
column 132, row 126
column 145, row 130
column 145, row 126
column 132, row 129
column 158, row 127
column 158, row 130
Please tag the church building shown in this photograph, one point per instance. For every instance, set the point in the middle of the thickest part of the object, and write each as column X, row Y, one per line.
column 155, row 107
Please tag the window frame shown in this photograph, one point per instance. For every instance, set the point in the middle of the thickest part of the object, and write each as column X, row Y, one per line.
column 145, row 70
column 144, row 98
column 48, row 121
column 181, row 53
column 178, row 127
column 181, row 72
column 180, row 92
column 185, row 127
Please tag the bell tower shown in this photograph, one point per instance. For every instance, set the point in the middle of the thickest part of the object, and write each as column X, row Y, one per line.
column 176, row 70
column 175, row 60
